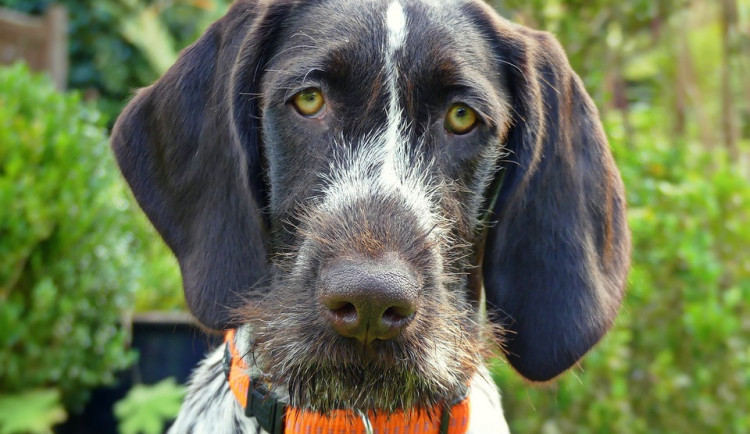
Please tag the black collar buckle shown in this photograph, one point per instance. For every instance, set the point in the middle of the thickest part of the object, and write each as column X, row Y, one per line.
column 265, row 407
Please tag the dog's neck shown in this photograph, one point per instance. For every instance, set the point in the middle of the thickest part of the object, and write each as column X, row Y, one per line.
column 276, row 415
column 210, row 405
column 485, row 410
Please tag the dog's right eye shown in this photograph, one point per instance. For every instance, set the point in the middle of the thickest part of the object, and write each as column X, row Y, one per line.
column 309, row 102
column 460, row 119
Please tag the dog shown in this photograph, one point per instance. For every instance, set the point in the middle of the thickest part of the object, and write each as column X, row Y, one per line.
column 370, row 196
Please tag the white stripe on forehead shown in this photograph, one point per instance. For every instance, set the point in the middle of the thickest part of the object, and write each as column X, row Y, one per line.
column 379, row 165
column 395, row 20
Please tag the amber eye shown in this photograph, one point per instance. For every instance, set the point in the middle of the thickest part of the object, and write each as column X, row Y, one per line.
column 309, row 102
column 460, row 119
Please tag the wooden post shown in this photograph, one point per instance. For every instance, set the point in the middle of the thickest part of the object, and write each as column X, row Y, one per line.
column 41, row 42
column 57, row 44
column 728, row 51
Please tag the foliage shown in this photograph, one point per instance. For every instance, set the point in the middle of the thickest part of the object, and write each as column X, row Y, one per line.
column 678, row 359
column 146, row 409
column 34, row 411
column 688, row 57
column 590, row 29
column 120, row 45
column 71, row 254
column 117, row 46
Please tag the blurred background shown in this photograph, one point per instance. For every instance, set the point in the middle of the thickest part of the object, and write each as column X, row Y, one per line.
column 91, row 309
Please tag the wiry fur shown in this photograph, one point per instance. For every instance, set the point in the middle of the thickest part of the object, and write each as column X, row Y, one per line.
column 320, row 371
column 210, row 407
column 355, row 174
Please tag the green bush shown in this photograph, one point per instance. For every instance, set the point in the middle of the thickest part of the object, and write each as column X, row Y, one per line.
column 71, row 253
column 678, row 358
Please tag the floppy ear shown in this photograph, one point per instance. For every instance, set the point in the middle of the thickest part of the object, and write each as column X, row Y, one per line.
column 555, row 264
column 195, row 164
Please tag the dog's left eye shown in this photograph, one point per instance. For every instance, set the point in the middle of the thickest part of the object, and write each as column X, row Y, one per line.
column 309, row 102
column 460, row 119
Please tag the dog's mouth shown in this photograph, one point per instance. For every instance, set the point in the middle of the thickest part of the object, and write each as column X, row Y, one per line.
column 429, row 364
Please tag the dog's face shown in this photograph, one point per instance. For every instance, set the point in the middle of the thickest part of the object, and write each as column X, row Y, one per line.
column 382, row 129
column 346, row 176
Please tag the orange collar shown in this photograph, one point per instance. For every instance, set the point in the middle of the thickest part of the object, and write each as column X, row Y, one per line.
column 277, row 418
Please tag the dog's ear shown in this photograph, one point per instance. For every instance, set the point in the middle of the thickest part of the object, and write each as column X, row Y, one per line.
column 193, row 158
column 556, row 260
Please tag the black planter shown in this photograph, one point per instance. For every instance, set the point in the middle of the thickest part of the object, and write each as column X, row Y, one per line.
column 168, row 344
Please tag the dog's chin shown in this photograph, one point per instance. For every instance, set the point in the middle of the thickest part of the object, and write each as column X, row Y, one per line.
column 381, row 377
column 369, row 388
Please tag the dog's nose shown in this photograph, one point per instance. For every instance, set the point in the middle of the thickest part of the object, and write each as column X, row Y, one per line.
column 369, row 300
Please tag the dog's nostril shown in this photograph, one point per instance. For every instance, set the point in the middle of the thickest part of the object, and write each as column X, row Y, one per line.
column 369, row 300
column 344, row 309
column 395, row 315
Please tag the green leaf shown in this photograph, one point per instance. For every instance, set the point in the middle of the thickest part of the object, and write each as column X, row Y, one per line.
column 146, row 409
column 35, row 411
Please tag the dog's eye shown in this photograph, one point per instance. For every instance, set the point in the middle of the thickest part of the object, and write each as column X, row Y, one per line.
column 309, row 102
column 460, row 119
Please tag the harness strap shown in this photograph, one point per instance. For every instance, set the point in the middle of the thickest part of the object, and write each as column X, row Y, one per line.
column 276, row 417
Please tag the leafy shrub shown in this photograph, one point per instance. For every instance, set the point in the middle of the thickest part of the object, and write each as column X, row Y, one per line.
column 71, row 254
column 678, row 358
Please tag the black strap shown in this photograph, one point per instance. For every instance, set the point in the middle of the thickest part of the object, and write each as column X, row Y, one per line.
column 445, row 420
column 265, row 407
column 445, row 416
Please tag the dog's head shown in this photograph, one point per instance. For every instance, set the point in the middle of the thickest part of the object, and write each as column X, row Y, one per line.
column 352, row 176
